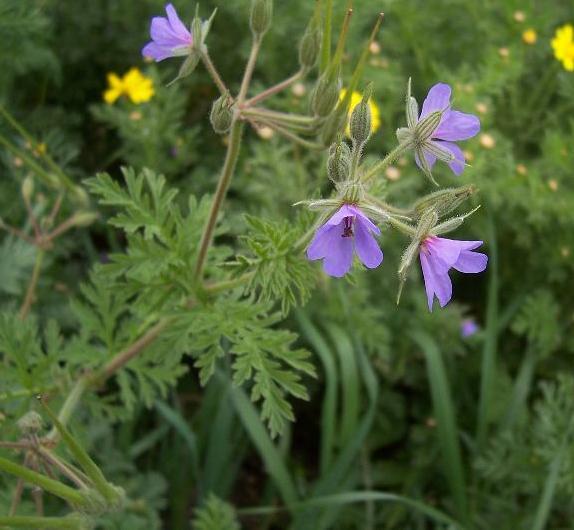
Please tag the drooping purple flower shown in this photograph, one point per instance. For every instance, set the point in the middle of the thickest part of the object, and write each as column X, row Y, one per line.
column 468, row 328
column 347, row 232
column 453, row 126
column 170, row 37
column 438, row 255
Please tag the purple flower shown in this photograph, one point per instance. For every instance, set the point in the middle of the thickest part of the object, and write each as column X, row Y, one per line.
column 438, row 255
column 348, row 231
column 468, row 327
column 170, row 37
column 453, row 126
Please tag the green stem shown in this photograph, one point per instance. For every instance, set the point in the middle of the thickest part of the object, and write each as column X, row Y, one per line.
column 47, row 484
column 26, row 135
column 58, row 523
column 279, row 87
column 249, row 70
column 227, row 285
column 280, row 116
column 210, row 67
column 117, row 362
column 29, row 299
column 395, row 154
column 294, row 137
column 220, row 193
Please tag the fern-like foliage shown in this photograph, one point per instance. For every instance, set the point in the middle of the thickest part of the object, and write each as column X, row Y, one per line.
column 215, row 515
column 280, row 271
column 24, row 30
column 538, row 322
column 262, row 353
column 155, row 277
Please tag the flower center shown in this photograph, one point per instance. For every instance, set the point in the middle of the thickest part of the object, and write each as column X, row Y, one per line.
column 347, row 227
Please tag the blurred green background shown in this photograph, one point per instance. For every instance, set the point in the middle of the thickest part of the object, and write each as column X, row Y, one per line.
column 404, row 406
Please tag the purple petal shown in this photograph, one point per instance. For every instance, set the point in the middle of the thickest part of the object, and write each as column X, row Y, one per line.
column 438, row 98
column 177, row 25
column 444, row 252
column 156, row 52
column 162, row 33
column 436, row 280
column 469, row 327
column 457, row 125
column 339, row 260
column 366, row 246
column 458, row 164
column 344, row 211
column 361, row 218
column 471, row 262
column 323, row 241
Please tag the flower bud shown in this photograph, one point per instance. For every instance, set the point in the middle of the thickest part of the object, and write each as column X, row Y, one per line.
column 310, row 47
column 426, row 223
column 221, row 116
column 361, row 120
column 28, row 188
column 339, row 162
column 85, row 218
column 444, row 201
column 30, row 423
column 326, row 94
column 81, row 196
column 261, row 15
column 404, row 135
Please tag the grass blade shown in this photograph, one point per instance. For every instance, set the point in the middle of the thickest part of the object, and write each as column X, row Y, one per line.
column 267, row 451
column 329, row 408
column 353, row 497
column 349, row 383
column 488, row 369
column 446, row 423
column 178, row 422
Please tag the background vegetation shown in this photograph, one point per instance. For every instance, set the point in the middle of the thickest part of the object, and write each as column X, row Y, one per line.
column 408, row 424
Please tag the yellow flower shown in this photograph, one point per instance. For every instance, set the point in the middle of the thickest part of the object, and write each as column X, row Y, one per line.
column 529, row 36
column 563, row 46
column 133, row 84
column 356, row 98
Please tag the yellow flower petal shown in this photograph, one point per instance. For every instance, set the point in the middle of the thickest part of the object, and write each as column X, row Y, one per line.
column 111, row 95
column 529, row 36
column 139, row 88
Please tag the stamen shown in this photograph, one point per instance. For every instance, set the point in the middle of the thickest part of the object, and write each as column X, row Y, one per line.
column 348, row 227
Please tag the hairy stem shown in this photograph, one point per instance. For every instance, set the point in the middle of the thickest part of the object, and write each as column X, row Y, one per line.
column 29, row 299
column 208, row 63
column 249, row 70
column 279, row 87
column 220, row 193
column 395, row 154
